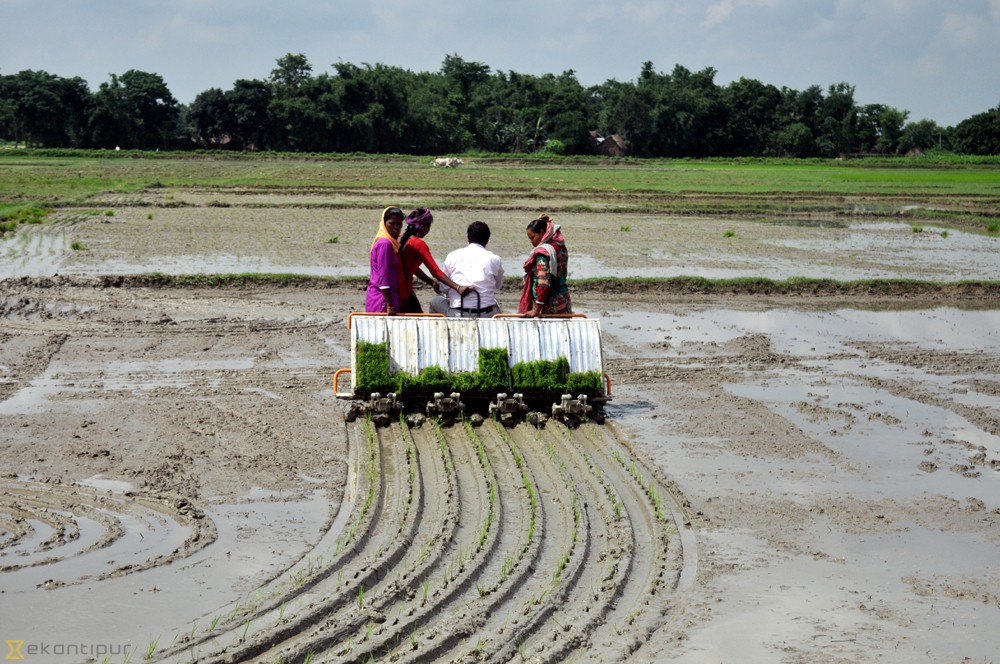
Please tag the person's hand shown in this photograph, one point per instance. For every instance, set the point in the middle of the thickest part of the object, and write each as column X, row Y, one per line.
column 534, row 312
column 390, row 310
column 437, row 287
column 464, row 290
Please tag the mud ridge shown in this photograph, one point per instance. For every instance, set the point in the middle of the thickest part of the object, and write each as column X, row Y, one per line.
column 479, row 544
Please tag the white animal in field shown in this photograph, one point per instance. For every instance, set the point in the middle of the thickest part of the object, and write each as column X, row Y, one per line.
column 448, row 162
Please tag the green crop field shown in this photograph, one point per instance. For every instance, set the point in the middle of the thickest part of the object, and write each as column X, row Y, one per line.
column 964, row 189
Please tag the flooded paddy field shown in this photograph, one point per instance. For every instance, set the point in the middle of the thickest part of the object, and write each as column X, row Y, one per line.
column 780, row 478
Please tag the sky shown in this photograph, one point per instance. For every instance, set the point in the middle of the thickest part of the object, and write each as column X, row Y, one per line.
column 936, row 59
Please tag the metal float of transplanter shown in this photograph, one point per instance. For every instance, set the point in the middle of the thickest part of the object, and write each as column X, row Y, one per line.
column 381, row 409
column 446, row 407
column 410, row 344
column 572, row 410
column 508, row 410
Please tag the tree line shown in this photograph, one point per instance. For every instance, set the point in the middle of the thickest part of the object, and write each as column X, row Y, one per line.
column 467, row 107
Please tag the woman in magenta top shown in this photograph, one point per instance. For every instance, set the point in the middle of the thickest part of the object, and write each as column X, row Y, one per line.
column 383, row 282
column 415, row 254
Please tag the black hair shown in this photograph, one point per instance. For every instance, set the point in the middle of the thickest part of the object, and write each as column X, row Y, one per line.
column 393, row 212
column 478, row 232
column 410, row 231
column 537, row 225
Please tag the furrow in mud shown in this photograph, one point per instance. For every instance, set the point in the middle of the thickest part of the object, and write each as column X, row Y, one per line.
column 610, row 559
column 323, row 582
column 388, row 607
column 495, row 572
column 564, row 533
column 452, row 580
column 650, row 585
column 487, row 543
column 59, row 535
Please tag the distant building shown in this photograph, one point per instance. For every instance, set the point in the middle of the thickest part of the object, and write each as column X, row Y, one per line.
column 611, row 146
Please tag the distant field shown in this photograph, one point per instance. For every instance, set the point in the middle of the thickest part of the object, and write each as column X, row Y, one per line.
column 957, row 193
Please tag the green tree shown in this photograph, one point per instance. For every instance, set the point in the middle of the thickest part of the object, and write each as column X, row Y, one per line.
column 979, row 134
column 795, row 140
column 922, row 135
column 248, row 103
column 135, row 110
column 290, row 74
column 753, row 117
column 836, row 125
column 565, row 114
column 211, row 119
column 880, row 128
column 43, row 110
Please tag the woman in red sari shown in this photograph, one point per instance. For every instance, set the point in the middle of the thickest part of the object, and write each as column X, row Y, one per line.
column 414, row 254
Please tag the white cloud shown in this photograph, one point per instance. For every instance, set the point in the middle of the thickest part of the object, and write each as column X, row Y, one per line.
column 963, row 29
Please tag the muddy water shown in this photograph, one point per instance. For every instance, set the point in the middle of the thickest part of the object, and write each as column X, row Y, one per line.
column 334, row 243
column 848, row 421
column 837, row 467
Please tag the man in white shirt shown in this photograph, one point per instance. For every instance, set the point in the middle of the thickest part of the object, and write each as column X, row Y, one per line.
column 476, row 266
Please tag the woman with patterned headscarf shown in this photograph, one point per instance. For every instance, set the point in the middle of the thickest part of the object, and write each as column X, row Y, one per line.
column 415, row 254
column 383, row 280
column 545, row 290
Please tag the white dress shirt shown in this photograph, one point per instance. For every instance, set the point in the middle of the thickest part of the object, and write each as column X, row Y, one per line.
column 474, row 266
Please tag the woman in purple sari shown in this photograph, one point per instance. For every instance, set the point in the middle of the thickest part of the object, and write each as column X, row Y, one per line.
column 383, row 283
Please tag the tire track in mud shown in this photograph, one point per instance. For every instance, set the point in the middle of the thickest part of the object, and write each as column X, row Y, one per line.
column 64, row 534
column 466, row 543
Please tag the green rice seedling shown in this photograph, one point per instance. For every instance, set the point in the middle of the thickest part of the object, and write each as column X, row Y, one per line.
column 246, row 628
column 560, row 566
column 334, row 240
column 308, row 658
column 625, row 229
column 917, row 229
column 151, row 648
column 215, row 621
column 109, row 213
column 76, row 245
column 368, row 631
column 427, row 585
column 508, row 567
column 729, row 233
column 944, row 234
column 149, row 216
column 413, row 638
column 361, row 597
column 993, row 228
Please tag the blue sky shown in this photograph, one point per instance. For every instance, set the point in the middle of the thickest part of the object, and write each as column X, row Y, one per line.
column 937, row 59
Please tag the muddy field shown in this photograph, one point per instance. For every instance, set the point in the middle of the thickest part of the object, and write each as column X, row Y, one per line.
column 780, row 478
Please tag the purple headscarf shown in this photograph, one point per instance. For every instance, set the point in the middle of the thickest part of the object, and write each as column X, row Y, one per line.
column 420, row 219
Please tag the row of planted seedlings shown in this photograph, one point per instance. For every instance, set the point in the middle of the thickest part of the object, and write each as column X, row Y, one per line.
column 413, row 633
column 617, row 536
column 542, row 382
column 505, row 566
column 567, row 562
column 281, row 608
column 365, row 618
column 665, row 537
column 623, row 508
